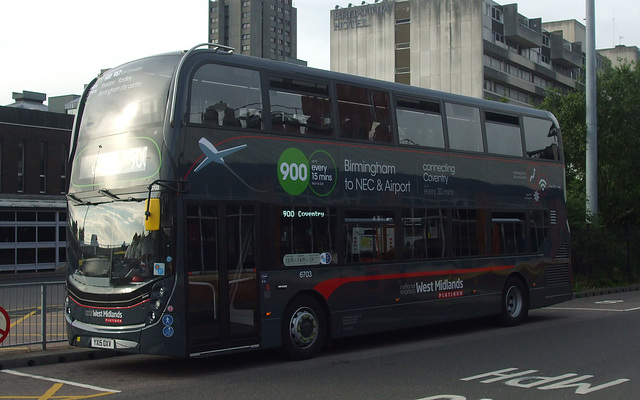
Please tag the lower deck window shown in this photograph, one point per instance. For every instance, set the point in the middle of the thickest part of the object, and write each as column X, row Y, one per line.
column 306, row 236
column 424, row 234
column 369, row 236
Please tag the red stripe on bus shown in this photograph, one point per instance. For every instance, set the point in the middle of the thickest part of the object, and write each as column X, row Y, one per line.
column 327, row 287
column 109, row 308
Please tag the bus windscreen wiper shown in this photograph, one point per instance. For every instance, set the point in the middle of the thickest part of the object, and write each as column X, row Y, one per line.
column 107, row 193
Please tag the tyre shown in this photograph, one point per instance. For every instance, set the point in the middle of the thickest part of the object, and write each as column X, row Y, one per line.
column 304, row 328
column 515, row 303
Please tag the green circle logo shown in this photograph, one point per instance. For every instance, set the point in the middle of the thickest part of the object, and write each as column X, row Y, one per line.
column 293, row 171
column 323, row 176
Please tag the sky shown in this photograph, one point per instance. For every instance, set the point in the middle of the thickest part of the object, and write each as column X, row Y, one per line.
column 57, row 46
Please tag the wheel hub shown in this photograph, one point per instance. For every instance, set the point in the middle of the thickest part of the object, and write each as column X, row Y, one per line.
column 514, row 302
column 304, row 327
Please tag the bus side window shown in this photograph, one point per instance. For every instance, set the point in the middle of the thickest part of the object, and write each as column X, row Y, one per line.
column 369, row 236
column 424, row 234
column 420, row 123
column 508, row 233
column 301, row 107
column 361, row 111
column 306, row 236
column 469, row 238
column 503, row 134
column 538, row 230
column 464, row 128
column 226, row 96
column 541, row 139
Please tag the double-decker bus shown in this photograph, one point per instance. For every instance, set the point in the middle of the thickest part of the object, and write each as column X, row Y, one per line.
column 220, row 202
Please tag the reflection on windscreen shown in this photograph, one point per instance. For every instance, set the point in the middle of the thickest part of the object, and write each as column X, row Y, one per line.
column 129, row 96
column 108, row 246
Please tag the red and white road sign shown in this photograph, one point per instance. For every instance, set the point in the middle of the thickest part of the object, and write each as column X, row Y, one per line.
column 4, row 324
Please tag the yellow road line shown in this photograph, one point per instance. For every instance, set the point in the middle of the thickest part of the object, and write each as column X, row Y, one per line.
column 49, row 394
column 52, row 391
column 31, row 314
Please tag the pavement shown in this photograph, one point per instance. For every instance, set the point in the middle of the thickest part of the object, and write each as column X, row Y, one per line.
column 29, row 356
column 21, row 356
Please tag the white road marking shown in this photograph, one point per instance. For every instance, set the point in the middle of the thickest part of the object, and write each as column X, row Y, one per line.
column 44, row 378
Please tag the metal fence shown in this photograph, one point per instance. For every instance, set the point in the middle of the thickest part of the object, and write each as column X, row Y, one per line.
column 36, row 313
column 606, row 257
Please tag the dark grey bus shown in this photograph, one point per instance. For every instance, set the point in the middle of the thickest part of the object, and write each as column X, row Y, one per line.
column 223, row 203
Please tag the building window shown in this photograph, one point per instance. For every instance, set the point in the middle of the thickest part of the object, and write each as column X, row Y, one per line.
column 496, row 14
column 20, row 166
column 546, row 41
column 43, row 167
column 63, row 168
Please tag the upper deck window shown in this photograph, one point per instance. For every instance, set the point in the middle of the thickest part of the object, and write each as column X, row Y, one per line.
column 503, row 134
column 420, row 123
column 128, row 97
column 463, row 126
column 541, row 138
column 226, row 96
column 364, row 114
column 299, row 106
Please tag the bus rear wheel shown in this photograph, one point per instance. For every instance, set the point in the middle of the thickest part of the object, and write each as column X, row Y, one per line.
column 304, row 329
column 515, row 304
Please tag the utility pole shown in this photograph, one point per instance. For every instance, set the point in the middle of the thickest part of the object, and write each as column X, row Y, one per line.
column 592, row 115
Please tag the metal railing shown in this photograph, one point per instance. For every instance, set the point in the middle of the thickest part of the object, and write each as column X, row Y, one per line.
column 36, row 313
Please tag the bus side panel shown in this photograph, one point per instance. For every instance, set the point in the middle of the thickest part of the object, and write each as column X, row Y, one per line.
column 403, row 296
column 365, row 321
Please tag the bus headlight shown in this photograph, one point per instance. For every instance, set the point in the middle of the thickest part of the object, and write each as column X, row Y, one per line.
column 159, row 294
column 151, row 317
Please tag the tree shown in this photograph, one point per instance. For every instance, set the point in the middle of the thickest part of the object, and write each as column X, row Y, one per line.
column 618, row 98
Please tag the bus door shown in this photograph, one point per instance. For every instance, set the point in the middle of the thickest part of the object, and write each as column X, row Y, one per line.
column 222, row 291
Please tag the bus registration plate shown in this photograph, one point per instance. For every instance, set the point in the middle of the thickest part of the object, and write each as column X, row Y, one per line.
column 102, row 343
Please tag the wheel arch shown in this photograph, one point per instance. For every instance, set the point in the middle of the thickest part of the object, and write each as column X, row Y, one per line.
column 325, row 308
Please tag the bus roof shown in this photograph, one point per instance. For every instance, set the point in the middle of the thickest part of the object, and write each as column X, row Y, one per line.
column 296, row 70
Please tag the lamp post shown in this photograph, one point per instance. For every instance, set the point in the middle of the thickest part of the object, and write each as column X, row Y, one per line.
column 592, row 117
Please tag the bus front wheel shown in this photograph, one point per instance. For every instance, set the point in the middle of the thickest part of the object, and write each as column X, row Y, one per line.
column 304, row 329
column 515, row 304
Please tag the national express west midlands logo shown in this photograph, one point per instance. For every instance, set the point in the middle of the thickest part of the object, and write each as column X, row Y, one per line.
column 296, row 172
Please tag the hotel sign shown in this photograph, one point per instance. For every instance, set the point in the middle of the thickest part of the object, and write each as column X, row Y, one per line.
column 358, row 17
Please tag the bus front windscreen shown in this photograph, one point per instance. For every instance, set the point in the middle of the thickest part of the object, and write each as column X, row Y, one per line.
column 109, row 250
column 128, row 97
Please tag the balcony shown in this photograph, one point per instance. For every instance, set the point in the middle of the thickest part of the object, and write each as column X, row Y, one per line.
column 523, row 31
column 565, row 53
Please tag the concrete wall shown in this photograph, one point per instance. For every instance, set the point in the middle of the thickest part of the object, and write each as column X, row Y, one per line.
column 446, row 43
column 446, row 46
